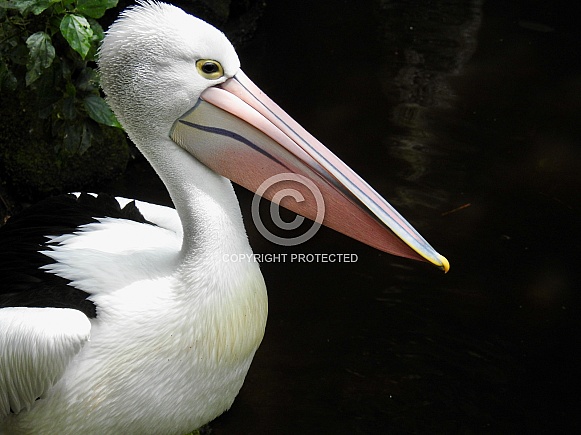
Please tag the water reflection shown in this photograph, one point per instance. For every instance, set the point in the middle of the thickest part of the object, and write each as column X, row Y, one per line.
column 425, row 45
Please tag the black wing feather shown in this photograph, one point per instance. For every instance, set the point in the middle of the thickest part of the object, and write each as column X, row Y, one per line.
column 22, row 282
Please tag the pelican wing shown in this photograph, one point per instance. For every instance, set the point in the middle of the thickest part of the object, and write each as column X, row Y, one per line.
column 159, row 215
column 36, row 345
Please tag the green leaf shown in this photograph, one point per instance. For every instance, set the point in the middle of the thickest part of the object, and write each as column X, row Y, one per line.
column 21, row 5
column 78, row 33
column 99, row 111
column 98, row 33
column 95, row 8
column 98, row 36
column 40, row 55
column 25, row 6
column 40, row 6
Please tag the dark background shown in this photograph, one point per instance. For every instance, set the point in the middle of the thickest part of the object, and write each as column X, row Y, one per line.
column 465, row 116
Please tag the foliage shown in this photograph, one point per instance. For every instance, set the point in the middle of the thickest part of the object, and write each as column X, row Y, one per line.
column 47, row 54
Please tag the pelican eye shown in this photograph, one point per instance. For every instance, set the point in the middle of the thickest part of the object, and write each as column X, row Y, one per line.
column 209, row 69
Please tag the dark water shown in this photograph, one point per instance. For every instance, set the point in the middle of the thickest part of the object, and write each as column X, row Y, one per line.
column 466, row 117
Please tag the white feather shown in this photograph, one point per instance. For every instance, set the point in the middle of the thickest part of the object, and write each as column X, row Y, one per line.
column 36, row 345
column 112, row 253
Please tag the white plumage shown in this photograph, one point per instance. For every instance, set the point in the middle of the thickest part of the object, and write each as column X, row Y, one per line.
column 39, row 344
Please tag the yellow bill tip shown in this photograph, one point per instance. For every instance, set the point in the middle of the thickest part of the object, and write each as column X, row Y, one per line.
column 445, row 266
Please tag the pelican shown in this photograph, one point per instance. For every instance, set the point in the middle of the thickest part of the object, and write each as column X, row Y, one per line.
column 145, row 329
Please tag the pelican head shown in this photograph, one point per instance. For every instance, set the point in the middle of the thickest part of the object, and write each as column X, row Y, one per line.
column 156, row 61
column 171, row 77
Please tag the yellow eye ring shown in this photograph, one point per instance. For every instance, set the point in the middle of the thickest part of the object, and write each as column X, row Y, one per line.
column 209, row 69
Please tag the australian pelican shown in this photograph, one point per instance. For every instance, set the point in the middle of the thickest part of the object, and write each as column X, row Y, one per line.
column 130, row 321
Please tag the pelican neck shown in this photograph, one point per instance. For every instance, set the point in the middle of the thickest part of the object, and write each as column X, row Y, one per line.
column 204, row 200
